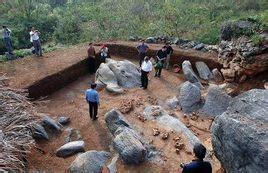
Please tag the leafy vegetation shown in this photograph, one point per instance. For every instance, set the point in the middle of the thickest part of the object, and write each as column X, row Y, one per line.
column 74, row 21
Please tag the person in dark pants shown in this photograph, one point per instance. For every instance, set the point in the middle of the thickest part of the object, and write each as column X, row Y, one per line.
column 35, row 39
column 91, row 58
column 7, row 40
column 92, row 97
column 142, row 49
column 198, row 165
column 169, row 53
column 160, row 58
column 146, row 68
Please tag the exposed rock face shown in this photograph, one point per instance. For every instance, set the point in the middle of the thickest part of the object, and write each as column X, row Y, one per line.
column 172, row 103
column 71, row 148
column 233, row 29
column 169, row 121
column 51, row 124
column 217, row 76
column 127, row 142
column 189, row 97
column 203, row 70
column 118, row 74
column 217, row 101
column 40, row 132
column 240, row 134
column 89, row 162
column 242, row 59
column 189, row 73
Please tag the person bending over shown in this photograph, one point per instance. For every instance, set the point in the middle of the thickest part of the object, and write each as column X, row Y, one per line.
column 146, row 68
column 198, row 165
column 92, row 97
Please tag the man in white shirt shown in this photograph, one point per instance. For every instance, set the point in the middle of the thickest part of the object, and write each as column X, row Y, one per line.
column 34, row 38
column 146, row 68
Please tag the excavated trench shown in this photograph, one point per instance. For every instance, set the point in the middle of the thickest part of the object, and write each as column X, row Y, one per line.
column 51, row 83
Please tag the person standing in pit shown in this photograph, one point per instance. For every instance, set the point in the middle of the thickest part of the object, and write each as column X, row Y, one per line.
column 7, row 40
column 91, row 58
column 160, row 58
column 35, row 39
column 104, row 52
column 142, row 49
column 93, row 100
column 198, row 165
column 169, row 53
column 146, row 68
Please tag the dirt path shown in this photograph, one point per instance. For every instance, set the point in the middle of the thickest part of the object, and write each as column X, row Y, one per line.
column 70, row 101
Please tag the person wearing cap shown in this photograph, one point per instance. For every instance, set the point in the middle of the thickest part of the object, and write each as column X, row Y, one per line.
column 146, row 68
column 91, row 58
column 198, row 165
column 7, row 40
column 104, row 52
column 169, row 53
column 160, row 58
column 35, row 39
column 142, row 49
column 93, row 100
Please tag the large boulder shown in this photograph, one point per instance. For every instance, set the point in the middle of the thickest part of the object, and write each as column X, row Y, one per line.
column 239, row 135
column 127, row 74
column 71, row 148
column 127, row 142
column 189, row 73
column 189, row 97
column 217, row 101
column 39, row 132
column 217, row 76
column 51, row 124
column 90, row 162
column 203, row 70
column 116, row 75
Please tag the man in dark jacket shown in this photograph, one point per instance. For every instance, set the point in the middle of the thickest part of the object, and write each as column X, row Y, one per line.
column 142, row 49
column 198, row 165
column 160, row 58
column 169, row 53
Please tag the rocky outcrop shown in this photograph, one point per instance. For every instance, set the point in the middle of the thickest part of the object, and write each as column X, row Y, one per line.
column 203, row 70
column 71, row 148
column 117, row 75
column 240, row 55
column 189, row 73
column 189, row 97
column 127, row 142
column 217, row 101
column 239, row 136
column 90, row 162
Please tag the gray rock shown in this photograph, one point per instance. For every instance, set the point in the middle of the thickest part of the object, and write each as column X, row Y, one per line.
column 239, row 136
column 127, row 142
column 203, row 70
column 64, row 120
column 40, row 132
column 51, row 124
column 114, row 119
column 217, row 76
column 71, row 148
column 199, row 46
column 129, row 146
column 189, row 73
column 189, row 97
column 112, row 165
column 126, row 73
column 217, row 101
column 150, row 40
column 169, row 121
column 73, row 135
column 116, row 75
column 90, row 162
column 173, row 102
